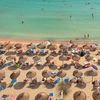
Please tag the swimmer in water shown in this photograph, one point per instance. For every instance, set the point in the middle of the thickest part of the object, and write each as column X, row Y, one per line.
column 22, row 22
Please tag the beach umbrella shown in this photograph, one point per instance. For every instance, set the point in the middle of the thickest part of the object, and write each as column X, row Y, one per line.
column 22, row 59
column 36, row 58
column 49, row 58
column 75, row 58
column 9, row 58
column 2, row 74
column 41, row 46
column 45, row 73
column 8, row 47
column 77, row 73
column 31, row 45
column 88, row 57
column 1, row 46
column 18, row 45
column 62, row 46
column 15, row 74
column 96, row 95
column 42, row 96
column 52, row 47
column 31, row 74
column 63, row 58
column 23, row 96
column 92, row 73
column 80, row 95
column 61, row 74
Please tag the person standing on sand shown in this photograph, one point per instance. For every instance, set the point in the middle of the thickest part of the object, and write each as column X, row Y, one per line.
column 88, row 36
column 84, row 36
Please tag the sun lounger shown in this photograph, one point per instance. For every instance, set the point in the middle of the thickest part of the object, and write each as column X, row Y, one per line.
column 51, row 96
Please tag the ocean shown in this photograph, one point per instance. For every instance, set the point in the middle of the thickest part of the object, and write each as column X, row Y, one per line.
column 50, row 19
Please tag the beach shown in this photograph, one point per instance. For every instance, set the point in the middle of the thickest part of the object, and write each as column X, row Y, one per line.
column 19, row 88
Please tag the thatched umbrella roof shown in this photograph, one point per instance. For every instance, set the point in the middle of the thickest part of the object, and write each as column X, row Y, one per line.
column 45, row 73
column 92, row 73
column 36, row 58
column 18, row 45
column 52, row 47
column 63, row 58
column 9, row 58
column 62, row 74
column 1, row 46
column 62, row 46
column 49, row 58
column 22, row 59
column 77, row 73
column 15, row 74
column 42, row 96
column 96, row 95
column 31, row 74
column 80, row 95
column 10, row 46
column 88, row 57
column 75, row 58
column 41, row 46
column 23, row 96
column 31, row 45
column 2, row 74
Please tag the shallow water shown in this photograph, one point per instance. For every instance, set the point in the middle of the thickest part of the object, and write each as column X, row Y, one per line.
column 60, row 19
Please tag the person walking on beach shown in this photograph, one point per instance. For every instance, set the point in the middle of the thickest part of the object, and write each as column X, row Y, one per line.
column 88, row 36
column 84, row 36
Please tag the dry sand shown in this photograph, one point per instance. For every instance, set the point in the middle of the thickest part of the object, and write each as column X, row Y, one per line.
column 17, row 90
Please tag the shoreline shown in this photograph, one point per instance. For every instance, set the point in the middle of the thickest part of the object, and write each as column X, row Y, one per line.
column 79, row 41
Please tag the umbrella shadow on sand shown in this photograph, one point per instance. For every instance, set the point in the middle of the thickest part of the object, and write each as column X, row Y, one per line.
column 19, row 85
column 52, row 67
column 34, row 86
column 10, row 53
column 12, row 68
column 48, row 86
column 39, row 66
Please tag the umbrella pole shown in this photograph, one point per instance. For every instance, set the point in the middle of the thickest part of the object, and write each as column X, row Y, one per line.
column 92, row 78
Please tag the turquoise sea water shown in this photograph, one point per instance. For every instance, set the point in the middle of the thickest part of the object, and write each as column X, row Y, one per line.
column 49, row 19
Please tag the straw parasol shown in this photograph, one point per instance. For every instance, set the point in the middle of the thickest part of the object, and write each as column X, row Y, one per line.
column 41, row 46
column 18, row 45
column 80, row 95
column 42, row 96
column 22, row 59
column 15, row 74
column 23, row 96
column 49, row 58
column 36, row 58
column 2, row 74
column 77, row 73
column 62, row 46
column 45, row 73
column 75, row 58
column 31, row 74
column 96, row 95
column 62, row 74
column 92, row 73
column 9, row 58
column 63, row 58
column 88, row 57
column 52, row 47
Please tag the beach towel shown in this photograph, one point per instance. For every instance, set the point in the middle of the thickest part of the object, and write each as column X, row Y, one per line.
column 94, row 67
column 13, row 81
column 57, row 80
